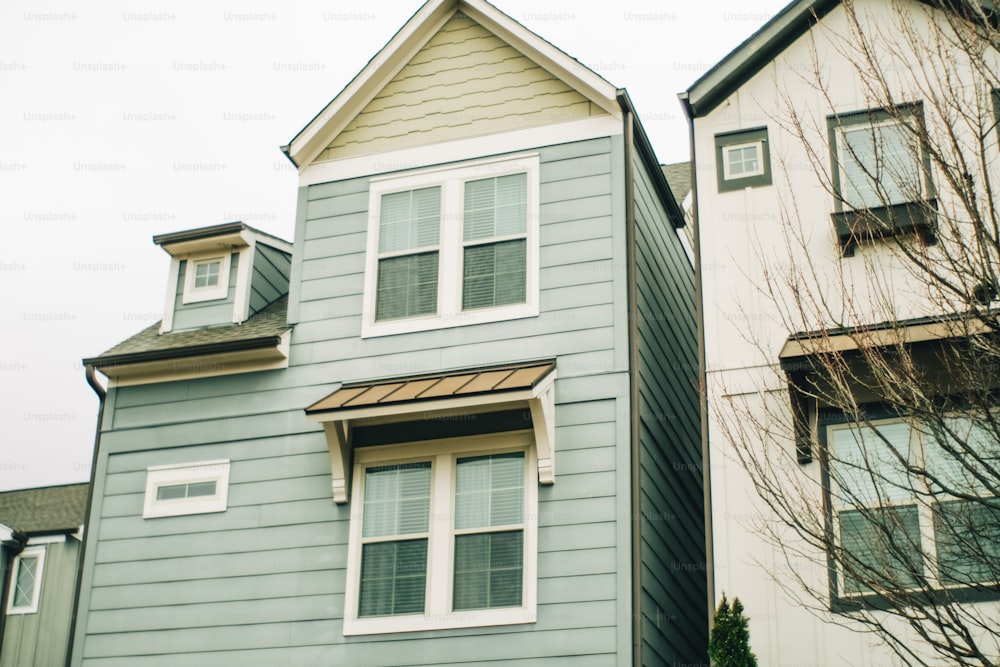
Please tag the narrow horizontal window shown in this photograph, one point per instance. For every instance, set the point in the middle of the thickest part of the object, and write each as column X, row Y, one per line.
column 196, row 488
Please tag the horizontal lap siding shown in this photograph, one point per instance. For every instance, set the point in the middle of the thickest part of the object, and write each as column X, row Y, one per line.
column 263, row 582
column 673, row 578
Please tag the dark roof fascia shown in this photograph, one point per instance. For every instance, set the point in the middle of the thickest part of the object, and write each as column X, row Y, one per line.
column 752, row 55
column 878, row 326
column 652, row 164
column 184, row 352
column 794, row 363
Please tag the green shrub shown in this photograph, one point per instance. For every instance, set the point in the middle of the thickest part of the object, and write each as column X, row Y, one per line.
column 729, row 645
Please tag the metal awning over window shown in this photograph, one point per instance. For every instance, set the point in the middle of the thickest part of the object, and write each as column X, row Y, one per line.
column 527, row 385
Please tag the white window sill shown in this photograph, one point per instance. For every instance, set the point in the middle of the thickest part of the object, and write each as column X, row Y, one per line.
column 473, row 618
column 371, row 329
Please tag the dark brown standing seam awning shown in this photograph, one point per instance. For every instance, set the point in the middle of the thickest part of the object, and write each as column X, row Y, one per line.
column 356, row 395
column 529, row 384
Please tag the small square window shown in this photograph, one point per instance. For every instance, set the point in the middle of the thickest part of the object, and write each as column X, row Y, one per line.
column 194, row 488
column 206, row 278
column 743, row 159
column 26, row 581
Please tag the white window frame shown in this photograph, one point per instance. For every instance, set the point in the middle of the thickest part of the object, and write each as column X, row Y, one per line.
column 194, row 294
column 452, row 179
column 438, row 613
column 186, row 473
column 29, row 552
column 758, row 146
column 925, row 509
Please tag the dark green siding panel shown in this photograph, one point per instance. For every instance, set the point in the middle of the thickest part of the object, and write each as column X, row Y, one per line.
column 674, row 622
column 204, row 313
column 269, row 279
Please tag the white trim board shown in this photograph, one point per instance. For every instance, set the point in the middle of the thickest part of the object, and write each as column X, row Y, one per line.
column 459, row 150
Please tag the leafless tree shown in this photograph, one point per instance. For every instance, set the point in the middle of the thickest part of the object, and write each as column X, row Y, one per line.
column 883, row 453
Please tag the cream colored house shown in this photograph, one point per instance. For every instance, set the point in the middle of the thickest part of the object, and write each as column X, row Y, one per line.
column 819, row 165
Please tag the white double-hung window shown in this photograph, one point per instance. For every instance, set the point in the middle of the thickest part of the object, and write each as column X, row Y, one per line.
column 446, row 539
column 452, row 246
column 910, row 508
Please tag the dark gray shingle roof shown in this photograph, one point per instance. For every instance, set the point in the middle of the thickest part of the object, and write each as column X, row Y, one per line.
column 678, row 176
column 46, row 509
column 271, row 321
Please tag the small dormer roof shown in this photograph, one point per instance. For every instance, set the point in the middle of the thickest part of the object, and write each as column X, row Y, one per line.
column 227, row 235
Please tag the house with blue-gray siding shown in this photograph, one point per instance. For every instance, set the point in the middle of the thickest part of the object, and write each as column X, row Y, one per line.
column 455, row 421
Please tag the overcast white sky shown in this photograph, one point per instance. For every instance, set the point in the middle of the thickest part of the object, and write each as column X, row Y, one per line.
column 121, row 120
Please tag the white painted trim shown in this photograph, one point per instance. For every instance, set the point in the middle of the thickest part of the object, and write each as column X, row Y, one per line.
column 244, row 273
column 46, row 539
column 451, row 180
column 757, row 145
column 6, row 533
column 191, row 368
column 437, row 610
column 29, row 552
column 168, row 309
column 459, row 150
column 363, row 88
column 216, row 292
column 186, row 473
column 583, row 79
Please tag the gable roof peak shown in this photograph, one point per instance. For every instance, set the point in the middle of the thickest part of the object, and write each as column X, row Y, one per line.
column 410, row 38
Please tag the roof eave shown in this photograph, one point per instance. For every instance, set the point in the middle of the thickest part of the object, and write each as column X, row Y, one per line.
column 107, row 361
column 648, row 156
column 748, row 58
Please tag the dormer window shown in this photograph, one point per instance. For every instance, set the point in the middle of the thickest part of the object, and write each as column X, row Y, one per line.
column 206, row 278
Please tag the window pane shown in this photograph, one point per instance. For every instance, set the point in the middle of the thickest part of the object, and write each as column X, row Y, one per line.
column 488, row 570
column 870, row 464
column 974, row 451
column 407, row 286
column 968, row 541
column 489, row 491
column 494, row 274
column 883, row 547
column 393, row 578
column 397, row 499
column 24, row 590
column 175, row 491
column 409, row 220
column 206, row 274
column 496, row 207
column 878, row 167
column 743, row 160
